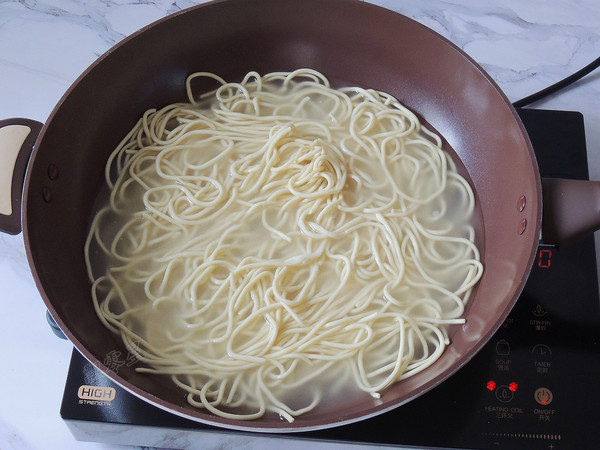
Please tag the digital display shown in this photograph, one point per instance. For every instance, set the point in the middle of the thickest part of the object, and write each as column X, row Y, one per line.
column 545, row 258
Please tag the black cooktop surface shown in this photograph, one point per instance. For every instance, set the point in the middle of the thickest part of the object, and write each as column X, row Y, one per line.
column 532, row 386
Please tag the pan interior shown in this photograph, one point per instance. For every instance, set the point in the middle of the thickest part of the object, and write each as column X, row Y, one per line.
column 349, row 42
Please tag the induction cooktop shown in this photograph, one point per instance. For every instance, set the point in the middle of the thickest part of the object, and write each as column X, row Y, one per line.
column 534, row 385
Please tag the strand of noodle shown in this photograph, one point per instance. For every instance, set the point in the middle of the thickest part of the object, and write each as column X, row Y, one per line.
column 280, row 407
column 206, row 404
column 117, row 155
column 399, row 364
column 188, row 84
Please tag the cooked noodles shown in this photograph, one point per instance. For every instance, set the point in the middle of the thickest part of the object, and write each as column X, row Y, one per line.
column 277, row 236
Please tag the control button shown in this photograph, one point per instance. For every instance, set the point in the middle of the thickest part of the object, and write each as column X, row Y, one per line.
column 504, row 394
column 502, row 347
column 539, row 311
column 541, row 350
column 543, row 396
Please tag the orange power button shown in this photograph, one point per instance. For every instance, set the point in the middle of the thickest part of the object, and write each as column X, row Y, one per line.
column 543, row 396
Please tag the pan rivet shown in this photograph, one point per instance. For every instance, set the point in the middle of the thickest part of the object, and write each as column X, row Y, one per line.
column 522, row 203
column 53, row 171
column 522, row 226
column 46, row 194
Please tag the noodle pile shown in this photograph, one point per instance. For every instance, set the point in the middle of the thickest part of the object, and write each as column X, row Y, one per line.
column 277, row 236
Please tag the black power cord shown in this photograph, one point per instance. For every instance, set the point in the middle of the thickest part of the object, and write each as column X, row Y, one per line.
column 557, row 86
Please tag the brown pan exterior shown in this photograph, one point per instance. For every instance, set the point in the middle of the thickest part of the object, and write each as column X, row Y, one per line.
column 350, row 42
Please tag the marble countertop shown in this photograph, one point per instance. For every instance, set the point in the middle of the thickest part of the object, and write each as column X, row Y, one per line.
column 525, row 45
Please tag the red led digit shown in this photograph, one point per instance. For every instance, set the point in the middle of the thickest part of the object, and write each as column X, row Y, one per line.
column 513, row 386
column 491, row 385
column 545, row 258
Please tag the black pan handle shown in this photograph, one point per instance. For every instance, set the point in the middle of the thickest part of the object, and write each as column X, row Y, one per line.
column 17, row 139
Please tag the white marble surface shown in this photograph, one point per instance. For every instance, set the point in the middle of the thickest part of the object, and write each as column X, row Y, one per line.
column 525, row 45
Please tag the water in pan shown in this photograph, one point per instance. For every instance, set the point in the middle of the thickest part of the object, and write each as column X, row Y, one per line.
column 254, row 246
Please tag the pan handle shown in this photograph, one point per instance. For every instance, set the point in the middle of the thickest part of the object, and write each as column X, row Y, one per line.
column 17, row 139
column 571, row 209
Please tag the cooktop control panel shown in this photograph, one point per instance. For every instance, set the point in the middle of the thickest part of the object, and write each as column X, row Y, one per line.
column 541, row 369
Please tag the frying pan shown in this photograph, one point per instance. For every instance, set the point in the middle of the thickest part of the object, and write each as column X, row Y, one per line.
column 61, row 163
